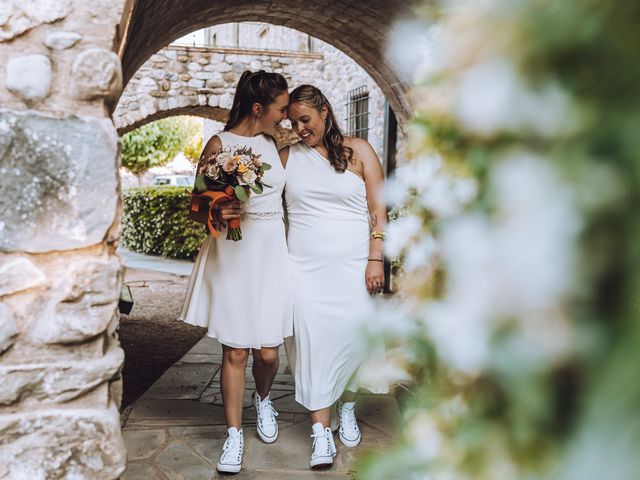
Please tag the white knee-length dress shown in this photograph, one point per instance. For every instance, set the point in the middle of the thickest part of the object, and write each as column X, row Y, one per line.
column 241, row 291
column 328, row 240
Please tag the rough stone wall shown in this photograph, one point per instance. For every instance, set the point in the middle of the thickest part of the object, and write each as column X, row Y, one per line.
column 184, row 80
column 59, row 276
column 179, row 79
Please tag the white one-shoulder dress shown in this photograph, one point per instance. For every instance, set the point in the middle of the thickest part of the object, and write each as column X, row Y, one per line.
column 241, row 291
column 328, row 240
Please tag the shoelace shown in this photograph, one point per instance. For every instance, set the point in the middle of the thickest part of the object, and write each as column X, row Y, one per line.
column 268, row 414
column 315, row 441
column 232, row 443
column 350, row 417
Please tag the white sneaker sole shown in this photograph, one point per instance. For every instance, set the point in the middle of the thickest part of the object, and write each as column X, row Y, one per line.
column 228, row 468
column 266, row 439
column 321, row 462
column 350, row 443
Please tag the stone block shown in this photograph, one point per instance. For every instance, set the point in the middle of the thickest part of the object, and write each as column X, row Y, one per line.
column 58, row 382
column 8, row 329
column 18, row 274
column 81, row 305
column 146, row 83
column 194, row 66
column 17, row 18
column 222, row 67
column 96, row 73
column 62, row 40
column 140, row 471
column 195, row 83
column 226, row 100
column 178, row 462
column 182, row 382
column 214, row 101
column 204, row 75
column 142, row 444
column 62, row 444
column 51, row 170
column 184, row 101
column 29, row 77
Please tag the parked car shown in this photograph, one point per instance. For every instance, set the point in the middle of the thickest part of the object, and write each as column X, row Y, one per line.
column 173, row 181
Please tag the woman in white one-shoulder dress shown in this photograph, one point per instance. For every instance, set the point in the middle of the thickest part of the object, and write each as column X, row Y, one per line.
column 336, row 224
column 241, row 290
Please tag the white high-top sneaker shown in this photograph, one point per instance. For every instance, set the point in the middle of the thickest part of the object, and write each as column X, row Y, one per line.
column 349, row 433
column 266, row 423
column 323, row 448
column 231, row 457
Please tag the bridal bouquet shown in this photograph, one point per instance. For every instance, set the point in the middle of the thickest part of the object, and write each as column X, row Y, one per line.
column 231, row 173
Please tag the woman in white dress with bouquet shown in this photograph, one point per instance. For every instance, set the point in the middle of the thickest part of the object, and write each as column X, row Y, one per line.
column 241, row 290
column 336, row 227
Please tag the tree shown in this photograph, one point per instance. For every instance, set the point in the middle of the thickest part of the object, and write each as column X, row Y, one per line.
column 156, row 144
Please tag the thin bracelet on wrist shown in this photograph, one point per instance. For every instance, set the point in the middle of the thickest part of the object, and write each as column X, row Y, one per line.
column 374, row 260
column 377, row 235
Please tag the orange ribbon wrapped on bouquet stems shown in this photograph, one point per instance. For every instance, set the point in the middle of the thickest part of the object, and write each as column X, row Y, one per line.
column 203, row 206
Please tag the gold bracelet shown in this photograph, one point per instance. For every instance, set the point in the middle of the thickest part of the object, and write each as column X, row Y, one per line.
column 377, row 235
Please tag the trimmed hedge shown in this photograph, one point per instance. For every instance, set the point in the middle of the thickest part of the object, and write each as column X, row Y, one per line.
column 155, row 222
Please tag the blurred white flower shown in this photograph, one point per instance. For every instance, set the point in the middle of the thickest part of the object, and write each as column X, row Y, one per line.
column 384, row 369
column 536, row 233
column 418, row 174
column 453, row 409
column 399, row 233
column 517, row 264
column 407, row 62
column 421, row 254
column 426, row 437
column 492, row 98
column 485, row 96
column 393, row 320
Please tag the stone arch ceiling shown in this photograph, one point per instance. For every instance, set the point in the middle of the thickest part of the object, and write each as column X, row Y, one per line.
column 358, row 28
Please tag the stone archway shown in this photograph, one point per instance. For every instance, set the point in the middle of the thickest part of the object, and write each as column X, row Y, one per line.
column 357, row 29
column 204, row 111
column 59, row 208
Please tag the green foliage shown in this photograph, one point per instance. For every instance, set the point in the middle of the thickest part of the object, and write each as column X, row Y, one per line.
column 157, row 143
column 155, row 222
column 193, row 148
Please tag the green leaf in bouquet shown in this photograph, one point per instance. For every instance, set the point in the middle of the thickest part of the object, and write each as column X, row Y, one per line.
column 257, row 188
column 241, row 193
column 200, row 184
column 265, row 185
column 265, row 166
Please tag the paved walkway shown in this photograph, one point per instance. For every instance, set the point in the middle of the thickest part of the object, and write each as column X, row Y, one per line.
column 176, row 429
column 149, row 262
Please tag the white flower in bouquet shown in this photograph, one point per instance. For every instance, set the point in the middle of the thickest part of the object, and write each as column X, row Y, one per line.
column 212, row 170
column 229, row 164
column 249, row 177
